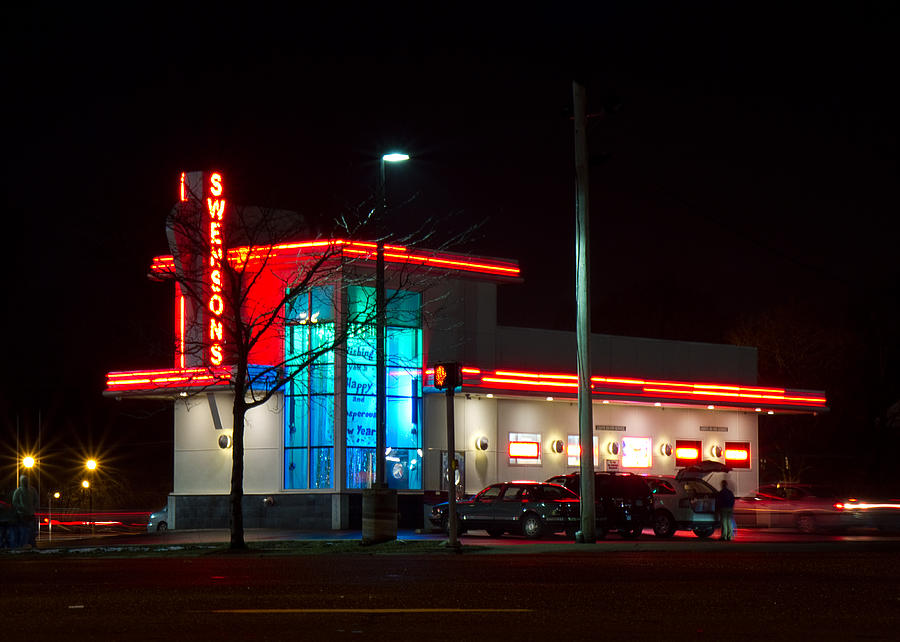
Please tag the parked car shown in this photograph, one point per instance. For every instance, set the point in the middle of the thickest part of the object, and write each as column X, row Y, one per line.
column 527, row 507
column 805, row 507
column 682, row 504
column 623, row 501
column 159, row 521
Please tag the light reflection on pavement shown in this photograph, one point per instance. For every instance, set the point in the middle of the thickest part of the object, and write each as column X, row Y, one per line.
column 648, row 541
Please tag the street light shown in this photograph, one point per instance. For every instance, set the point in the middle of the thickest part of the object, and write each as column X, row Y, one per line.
column 91, row 465
column 50, row 516
column 87, row 484
column 380, row 318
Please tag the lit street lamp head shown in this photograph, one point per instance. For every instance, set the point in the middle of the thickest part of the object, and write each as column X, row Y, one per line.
column 395, row 157
column 28, row 462
column 91, row 464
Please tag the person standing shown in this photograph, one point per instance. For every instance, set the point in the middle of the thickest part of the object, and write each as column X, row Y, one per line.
column 725, row 507
column 25, row 503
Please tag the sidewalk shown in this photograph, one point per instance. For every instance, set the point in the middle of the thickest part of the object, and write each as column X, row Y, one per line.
column 747, row 541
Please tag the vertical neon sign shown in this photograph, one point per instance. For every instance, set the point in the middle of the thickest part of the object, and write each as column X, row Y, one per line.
column 215, row 208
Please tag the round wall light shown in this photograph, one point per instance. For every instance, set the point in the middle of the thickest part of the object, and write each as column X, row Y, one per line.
column 613, row 448
column 716, row 451
column 224, row 441
column 481, row 443
column 665, row 450
column 558, row 446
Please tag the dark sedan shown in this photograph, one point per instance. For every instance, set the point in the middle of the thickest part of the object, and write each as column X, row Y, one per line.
column 529, row 508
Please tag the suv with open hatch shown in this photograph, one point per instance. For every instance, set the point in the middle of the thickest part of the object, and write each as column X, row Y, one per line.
column 623, row 501
column 682, row 504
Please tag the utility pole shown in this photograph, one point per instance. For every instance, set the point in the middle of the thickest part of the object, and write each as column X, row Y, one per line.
column 587, row 534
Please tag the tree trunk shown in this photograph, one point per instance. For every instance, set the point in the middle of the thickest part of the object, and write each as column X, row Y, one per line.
column 239, row 410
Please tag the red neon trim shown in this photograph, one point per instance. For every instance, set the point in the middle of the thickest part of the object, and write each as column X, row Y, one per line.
column 626, row 389
column 288, row 253
column 174, row 378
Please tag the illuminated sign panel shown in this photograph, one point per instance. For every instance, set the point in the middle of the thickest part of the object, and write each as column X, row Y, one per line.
column 737, row 454
column 524, row 450
column 215, row 212
column 636, row 452
column 687, row 452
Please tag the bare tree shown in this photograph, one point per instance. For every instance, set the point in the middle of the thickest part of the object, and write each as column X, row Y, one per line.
column 234, row 308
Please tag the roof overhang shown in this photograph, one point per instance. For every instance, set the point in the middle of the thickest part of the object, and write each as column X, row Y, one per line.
column 290, row 255
column 627, row 390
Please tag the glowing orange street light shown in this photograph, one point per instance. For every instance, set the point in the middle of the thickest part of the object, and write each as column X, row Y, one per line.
column 87, row 484
column 28, row 461
column 91, row 464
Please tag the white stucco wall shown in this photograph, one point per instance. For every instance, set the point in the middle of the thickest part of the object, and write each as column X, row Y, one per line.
column 201, row 467
column 556, row 420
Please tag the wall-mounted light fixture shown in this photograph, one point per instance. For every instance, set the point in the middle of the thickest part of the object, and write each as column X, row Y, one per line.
column 612, row 448
column 665, row 450
column 715, row 451
column 224, row 441
column 481, row 443
column 558, row 446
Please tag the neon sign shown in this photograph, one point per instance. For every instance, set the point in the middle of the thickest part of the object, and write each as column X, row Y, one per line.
column 215, row 209
column 687, row 452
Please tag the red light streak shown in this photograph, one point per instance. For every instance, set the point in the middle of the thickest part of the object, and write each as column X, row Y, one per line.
column 686, row 453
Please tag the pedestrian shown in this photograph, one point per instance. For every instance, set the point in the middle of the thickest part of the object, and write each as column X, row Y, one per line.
column 25, row 503
column 725, row 507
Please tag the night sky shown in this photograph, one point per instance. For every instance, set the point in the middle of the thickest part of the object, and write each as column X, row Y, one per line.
column 743, row 188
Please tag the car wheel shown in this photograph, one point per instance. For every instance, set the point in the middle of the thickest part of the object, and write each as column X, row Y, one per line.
column 663, row 524
column 704, row 531
column 632, row 533
column 806, row 523
column 495, row 532
column 162, row 527
column 532, row 526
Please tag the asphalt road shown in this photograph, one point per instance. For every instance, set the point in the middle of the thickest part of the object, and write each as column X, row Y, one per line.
column 782, row 589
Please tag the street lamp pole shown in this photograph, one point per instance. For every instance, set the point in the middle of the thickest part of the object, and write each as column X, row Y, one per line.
column 50, row 515
column 380, row 322
column 379, row 518
column 91, row 465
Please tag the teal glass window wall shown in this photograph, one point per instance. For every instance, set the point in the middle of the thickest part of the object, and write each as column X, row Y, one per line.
column 403, row 358
column 309, row 399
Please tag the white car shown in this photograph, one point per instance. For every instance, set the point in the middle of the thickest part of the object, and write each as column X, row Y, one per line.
column 682, row 504
column 159, row 521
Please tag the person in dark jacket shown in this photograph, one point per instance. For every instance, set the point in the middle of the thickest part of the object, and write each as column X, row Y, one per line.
column 725, row 508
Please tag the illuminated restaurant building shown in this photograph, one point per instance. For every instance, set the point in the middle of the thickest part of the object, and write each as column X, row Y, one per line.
column 658, row 406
